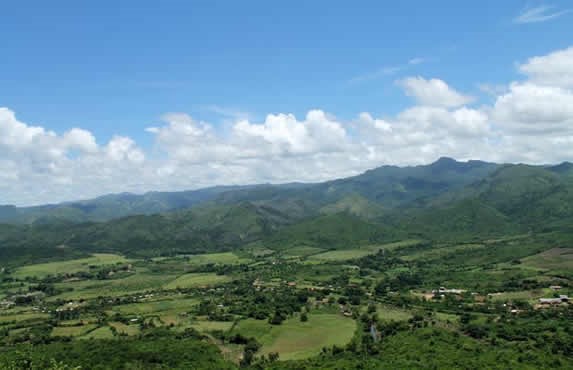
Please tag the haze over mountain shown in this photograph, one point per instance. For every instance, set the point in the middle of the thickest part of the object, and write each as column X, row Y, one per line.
column 444, row 200
column 389, row 186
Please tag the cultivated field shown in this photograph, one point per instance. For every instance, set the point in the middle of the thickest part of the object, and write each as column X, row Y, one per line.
column 295, row 339
column 66, row 267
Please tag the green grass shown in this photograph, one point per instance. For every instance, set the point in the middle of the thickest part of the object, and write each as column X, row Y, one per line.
column 302, row 251
column 525, row 295
column 207, row 326
column 297, row 340
column 196, row 280
column 348, row 254
column 390, row 313
column 83, row 264
column 552, row 259
column 139, row 282
column 125, row 329
column 441, row 252
column 144, row 308
column 23, row 317
column 100, row 333
column 72, row 331
column 227, row 258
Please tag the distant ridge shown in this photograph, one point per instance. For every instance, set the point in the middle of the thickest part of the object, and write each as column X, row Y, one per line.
column 387, row 187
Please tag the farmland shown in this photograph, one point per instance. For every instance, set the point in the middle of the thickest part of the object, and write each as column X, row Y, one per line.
column 292, row 305
column 71, row 266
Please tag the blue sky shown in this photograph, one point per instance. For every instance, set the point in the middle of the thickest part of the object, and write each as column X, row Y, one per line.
column 117, row 67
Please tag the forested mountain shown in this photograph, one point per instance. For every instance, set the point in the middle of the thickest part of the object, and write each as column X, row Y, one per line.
column 387, row 186
column 444, row 200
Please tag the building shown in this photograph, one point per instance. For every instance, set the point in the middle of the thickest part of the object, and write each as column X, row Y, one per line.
column 549, row 301
column 444, row 290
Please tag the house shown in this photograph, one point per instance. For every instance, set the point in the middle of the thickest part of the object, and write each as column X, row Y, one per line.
column 444, row 290
column 7, row 304
column 561, row 299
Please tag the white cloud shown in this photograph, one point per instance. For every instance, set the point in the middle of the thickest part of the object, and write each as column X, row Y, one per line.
column 532, row 108
column 529, row 121
column 433, row 92
column 555, row 69
column 538, row 14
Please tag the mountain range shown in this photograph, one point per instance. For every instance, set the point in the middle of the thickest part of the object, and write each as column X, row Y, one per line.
column 443, row 200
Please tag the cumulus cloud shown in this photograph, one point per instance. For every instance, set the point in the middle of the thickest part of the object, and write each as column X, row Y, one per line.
column 535, row 109
column 528, row 121
column 555, row 69
column 433, row 92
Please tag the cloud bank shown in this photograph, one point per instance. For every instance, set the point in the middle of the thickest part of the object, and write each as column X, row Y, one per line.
column 530, row 120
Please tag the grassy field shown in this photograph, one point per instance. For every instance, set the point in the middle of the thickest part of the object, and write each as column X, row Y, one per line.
column 196, row 280
column 552, row 259
column 83, row 264
column 207, row 326
column 144, row 308
column 525, row 295
column 302, row 251
column 125, row 329
column 72, row 331
column 297, row 340
column 348, row 254
column 227, row 258
column 441, row 252
column 390, row 313
column 100, row 333
column 141, row 281
column 23, row 316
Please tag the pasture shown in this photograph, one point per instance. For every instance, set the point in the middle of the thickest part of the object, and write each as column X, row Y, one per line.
column 354, row 253
column 153, row 307
column 227, row 258
column 207, row 326
column 139, row 282
column 298, row 340
column 42, row 270
column 552, row 259
column 72, row 331
column 196, row 280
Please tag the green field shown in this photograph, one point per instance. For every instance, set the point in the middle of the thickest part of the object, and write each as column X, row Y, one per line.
column 100, row 333
column 297, row 340
column 196, row 280
column 525, row 295
column 207, row 326
column 386, row 312
column 442, row 252
column 302, row 251
column 65, row 267
column 552, row 259
column 348, row 254
column 227, row 258
column 125, row 329
column 23, row 317
column 72, row 331
column 149, row 307
column 141, row 281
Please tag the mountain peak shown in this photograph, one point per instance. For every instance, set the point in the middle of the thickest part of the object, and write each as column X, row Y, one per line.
column 562, row 168
column 445, row 160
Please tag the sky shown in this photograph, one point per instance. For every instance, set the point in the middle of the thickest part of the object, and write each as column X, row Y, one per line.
column 132, row 96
